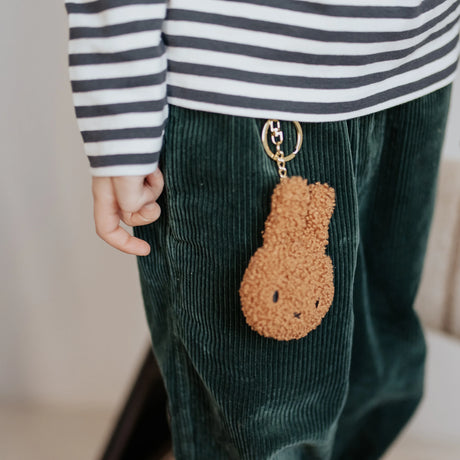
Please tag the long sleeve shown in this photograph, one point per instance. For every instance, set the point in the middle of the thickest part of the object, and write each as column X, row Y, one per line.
column 117, row 69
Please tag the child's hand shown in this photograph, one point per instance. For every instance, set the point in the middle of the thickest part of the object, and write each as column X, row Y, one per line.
column 130, row 199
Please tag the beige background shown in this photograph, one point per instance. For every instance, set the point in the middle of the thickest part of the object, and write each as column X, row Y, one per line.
column 72, row 324
column 72, row 328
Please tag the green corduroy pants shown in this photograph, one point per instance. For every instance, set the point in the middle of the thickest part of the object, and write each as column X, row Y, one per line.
column 346, row 389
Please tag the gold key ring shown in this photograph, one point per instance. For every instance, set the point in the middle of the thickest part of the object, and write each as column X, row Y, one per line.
column 267, row 148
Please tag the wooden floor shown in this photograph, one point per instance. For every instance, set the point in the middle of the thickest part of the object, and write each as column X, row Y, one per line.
column 46, row 433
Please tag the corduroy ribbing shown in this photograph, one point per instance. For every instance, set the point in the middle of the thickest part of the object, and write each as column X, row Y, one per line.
column 234, row 394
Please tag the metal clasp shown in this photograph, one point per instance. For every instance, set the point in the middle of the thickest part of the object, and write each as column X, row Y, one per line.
column 277, row 138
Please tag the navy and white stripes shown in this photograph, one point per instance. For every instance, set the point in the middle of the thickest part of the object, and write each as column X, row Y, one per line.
column 295, row 60
column 117, row 66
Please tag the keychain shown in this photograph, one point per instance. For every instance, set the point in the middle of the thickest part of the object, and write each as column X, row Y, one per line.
column 287, row 287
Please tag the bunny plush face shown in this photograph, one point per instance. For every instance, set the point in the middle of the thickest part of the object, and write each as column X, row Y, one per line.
column 288, row 287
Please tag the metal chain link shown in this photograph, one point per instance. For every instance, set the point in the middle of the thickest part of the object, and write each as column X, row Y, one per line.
column 277, row 138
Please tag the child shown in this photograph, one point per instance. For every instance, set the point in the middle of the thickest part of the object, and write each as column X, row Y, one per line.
column 171, row 98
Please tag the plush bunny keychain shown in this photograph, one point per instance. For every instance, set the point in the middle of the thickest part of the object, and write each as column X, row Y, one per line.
column 288, row 287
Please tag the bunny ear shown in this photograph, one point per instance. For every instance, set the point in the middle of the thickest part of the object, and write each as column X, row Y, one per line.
column 292, row 192
column 320, row 209
column 289, row 202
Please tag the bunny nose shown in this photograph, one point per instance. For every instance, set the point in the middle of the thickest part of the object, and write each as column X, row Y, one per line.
column 297, row 315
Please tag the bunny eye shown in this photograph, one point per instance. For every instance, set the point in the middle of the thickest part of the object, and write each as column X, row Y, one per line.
column 275, row 296
column 317, row 303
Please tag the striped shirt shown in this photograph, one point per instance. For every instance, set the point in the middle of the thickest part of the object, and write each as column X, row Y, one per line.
column 310, row 61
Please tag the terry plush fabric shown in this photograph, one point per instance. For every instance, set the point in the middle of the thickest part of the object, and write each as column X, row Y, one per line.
column 288, row 286
column 346, row 389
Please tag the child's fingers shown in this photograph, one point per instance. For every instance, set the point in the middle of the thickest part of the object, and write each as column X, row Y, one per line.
column 156, row 181
column 147, row 214
column 145, row 210
column 133, row 192
column 120, row 239
column 107, row 220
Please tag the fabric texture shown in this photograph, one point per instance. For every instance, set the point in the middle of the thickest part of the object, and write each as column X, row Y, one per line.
column 344, row 391
column 326, row 60
column 290, row 301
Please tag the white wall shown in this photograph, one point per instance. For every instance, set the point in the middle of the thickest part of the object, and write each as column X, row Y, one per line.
column 72, row 326
column 452, row 140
